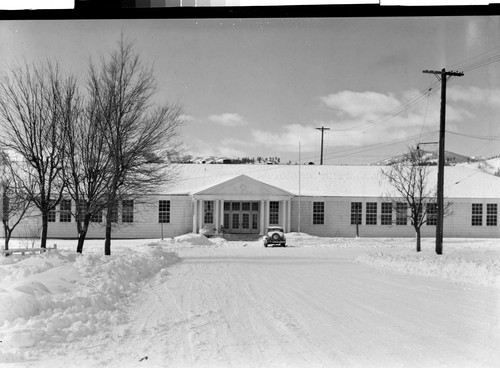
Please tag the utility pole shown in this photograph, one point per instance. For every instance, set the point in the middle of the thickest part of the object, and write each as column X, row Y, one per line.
column 443, row 76
column 322, row 133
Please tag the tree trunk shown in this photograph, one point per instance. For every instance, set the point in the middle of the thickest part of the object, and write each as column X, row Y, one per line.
column 45, row 226
column 107, row 240
column 8, row 234
column 82, row 234
column 418, row 240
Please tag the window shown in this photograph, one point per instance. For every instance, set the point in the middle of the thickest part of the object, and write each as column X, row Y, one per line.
column 227, row 206
column 371, row 213
column 209, row 212
column 235, row 206
column 164, row 212
column 491, row 214
column 128, row 210
column 477, row 214
column 274, row 213
column 386, row 213
column 401, row 214
column 245, row 206
column 255, row 206
column 318, row 213
column 114, row 212
column 52, row 213
column 65, row 211
column 96, row 217
column 431, row 213
column 356, row 213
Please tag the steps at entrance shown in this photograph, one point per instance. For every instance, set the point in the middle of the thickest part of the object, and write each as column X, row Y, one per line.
column 242, row 237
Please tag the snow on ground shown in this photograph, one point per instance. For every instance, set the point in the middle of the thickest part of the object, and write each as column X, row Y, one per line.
column 58, row 298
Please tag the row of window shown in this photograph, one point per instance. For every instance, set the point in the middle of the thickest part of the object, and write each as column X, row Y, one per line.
column 127, row 213
column 387, row 211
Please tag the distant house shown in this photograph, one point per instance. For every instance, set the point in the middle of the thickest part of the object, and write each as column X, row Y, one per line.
column 322, row 200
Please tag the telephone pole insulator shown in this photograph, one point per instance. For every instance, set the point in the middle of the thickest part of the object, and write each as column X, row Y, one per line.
column 443, row 76
column 322, row 133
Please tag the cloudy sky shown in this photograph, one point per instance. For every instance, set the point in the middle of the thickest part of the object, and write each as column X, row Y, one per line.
column 258, row 87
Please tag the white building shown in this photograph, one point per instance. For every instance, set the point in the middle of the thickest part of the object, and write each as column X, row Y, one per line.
column 318, row 200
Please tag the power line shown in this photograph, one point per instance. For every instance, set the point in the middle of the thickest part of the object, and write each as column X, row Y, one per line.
column 487, row 138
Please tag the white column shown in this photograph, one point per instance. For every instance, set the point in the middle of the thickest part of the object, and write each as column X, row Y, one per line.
column 283, row 214
column 266, row 219
column 217, row 215
column 289, row 215
column 222, row 213
column 195, row 215
column 262, row 217
column 200, row 214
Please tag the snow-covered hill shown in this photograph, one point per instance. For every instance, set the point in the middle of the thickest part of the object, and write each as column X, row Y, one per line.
column 490, row 166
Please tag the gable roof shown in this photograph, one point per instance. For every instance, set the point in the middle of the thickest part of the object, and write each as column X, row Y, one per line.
column 244, row 186
column 328, row 180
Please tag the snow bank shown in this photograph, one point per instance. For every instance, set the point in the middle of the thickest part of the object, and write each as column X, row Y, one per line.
column 193, row 239
column 459, row 270
column 61, row 297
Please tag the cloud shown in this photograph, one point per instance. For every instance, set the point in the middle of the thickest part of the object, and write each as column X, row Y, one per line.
column 360, row 104
column 187, row 118
column 474, row 95
column 228, row 119
column 362, row 119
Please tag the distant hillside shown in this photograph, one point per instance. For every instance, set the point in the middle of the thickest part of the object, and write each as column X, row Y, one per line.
column 451, row 158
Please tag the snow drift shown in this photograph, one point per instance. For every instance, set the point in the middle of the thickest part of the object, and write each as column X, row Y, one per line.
column 59, row 296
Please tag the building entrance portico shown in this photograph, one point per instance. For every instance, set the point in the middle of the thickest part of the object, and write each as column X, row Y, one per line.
column 241, row 205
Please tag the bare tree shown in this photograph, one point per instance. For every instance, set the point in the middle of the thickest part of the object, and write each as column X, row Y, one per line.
column 87, row 170
column 139, row 135
column 15, row 203
column 34, row 103
column 409, row 178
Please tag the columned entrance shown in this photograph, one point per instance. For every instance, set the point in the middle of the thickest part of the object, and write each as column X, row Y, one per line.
column 241, row 205
column 241, row 217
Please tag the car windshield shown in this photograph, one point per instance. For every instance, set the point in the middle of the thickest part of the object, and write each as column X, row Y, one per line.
column 275, row 229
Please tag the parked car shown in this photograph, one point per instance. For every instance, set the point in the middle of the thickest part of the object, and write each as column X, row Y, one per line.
column 275, row 235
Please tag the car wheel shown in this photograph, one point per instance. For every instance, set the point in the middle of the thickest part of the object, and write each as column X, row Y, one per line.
column 276, row 236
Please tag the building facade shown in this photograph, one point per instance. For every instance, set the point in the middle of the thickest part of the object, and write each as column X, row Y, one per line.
column 333, row 201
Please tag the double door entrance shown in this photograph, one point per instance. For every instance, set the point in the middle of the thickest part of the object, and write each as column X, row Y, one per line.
column 241, row 217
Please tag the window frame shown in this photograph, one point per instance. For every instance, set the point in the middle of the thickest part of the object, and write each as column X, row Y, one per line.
column 208, row 212
column 318, row 213
column 371, row 213
column 356, row 216
column 386, row 209
column 477, row 214
column 65, row 210
column 401, row 216
column 432, row 214
column 127, row 211
column 274, row 212
column 491, row 214
column 164, row 211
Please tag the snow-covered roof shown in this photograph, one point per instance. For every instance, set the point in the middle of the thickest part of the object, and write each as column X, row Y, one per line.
column 329, row 180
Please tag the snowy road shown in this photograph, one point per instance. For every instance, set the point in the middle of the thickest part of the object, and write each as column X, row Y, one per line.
column 298, row 307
